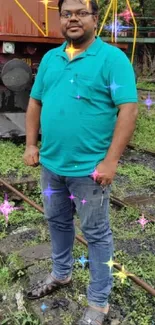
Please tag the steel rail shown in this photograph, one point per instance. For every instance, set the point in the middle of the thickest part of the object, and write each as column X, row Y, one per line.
column 148, row 152
column 134, row 278
column 143, row 89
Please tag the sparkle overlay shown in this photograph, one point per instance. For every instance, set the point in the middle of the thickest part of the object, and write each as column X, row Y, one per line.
column 43, row 307
column 149, row 102
column 122, row 274
column 113, row 86
column 83, row 201
column 117, row 26
column 89, row 321
column 6, row 208
column 46, row 2
column 95, row 174
column 87, row 3
column 72, row 197
column 110, row 263
column 82, row 260
column 48, row 191
column 71, row 50
column 143, row 221
column 126, row 14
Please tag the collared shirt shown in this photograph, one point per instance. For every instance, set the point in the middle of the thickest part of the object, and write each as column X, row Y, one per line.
column 79, row 105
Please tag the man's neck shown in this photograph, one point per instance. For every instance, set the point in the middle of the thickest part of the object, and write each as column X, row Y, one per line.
column 81, row 47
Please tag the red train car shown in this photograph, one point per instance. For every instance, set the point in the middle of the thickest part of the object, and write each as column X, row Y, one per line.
column 28, row 29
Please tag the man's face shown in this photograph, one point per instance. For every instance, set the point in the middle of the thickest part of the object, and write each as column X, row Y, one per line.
column 77, row 27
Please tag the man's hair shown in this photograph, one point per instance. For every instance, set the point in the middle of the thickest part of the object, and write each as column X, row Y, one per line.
column 94, row 4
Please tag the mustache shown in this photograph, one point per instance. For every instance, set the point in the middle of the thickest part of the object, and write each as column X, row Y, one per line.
column 73, row 26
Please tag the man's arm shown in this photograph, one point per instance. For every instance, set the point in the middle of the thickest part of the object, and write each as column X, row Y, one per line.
column 31, row 155
column 124, row 129
column 33, row 122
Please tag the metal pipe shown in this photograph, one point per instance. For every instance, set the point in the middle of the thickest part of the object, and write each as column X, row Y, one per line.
column 135, row 279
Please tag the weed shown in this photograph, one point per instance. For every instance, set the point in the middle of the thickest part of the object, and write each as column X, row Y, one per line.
column 138, row 175
column 144, row 134
column 67, row 318
column 20, row 318
column 5, row 277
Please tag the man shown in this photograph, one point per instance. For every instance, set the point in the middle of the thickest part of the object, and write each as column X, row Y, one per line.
column 78, row 96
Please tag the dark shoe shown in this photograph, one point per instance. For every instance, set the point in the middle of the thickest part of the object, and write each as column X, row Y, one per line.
column 45, row 287
column 92, row 316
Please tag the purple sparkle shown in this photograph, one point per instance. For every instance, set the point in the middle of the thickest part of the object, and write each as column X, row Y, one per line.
column 148, row 102
column 48, row 191
column 83, row 201
column 78, row 97
column 72, row 197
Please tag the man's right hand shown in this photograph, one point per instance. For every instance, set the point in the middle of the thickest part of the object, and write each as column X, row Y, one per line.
column 31, row 156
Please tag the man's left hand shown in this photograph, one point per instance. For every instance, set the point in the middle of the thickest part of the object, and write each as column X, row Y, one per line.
column 106, row 172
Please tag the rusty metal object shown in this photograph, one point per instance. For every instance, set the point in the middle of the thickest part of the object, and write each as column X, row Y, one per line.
column 32, row 39
column 149, row 152
column 134, row 278
column 28, row 21
column 123, row 204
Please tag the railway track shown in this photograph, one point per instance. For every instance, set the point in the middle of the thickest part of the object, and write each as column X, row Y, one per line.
column 115, row 201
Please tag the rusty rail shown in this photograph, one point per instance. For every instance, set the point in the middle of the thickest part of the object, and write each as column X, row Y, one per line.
column 148, row 152
column 134, row 278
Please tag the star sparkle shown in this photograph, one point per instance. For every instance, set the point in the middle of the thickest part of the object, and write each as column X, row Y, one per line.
column 43, row 307
column 95, row 174
column 89, row 321
column 122, row 274
column 46, row 2
column 6, row 208
column 82, row 260
column 87, row 3
column 149, row 102
column 126, row 14
column 143, row 221
column 83, row 201
column 110, row 263
column 78, row 97
column 114, row 86
column 48, row 191
column 71, row 50
column 116, row 26
column 72, row 197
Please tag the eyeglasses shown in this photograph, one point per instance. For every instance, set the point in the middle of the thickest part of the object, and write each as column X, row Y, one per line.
column 80, row 14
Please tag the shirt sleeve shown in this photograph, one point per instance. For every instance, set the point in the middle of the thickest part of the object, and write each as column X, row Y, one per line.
column 122, row 81
column 37, row 88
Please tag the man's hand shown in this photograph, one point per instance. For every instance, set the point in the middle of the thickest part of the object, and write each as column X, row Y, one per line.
column 31, row 156
column 105, row 172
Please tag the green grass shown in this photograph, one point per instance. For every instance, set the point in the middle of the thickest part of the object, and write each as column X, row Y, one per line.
column 144, row 134
column 146, row 85
column 138, row 175
column 138, row 306
column 12, row 161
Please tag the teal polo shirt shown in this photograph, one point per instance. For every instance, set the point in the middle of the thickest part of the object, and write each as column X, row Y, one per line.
column 79, row 105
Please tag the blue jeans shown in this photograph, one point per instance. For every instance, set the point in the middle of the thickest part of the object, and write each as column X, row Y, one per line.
column 94, row 217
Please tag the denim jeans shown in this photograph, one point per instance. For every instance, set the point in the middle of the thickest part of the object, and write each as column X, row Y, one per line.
column 94, row 218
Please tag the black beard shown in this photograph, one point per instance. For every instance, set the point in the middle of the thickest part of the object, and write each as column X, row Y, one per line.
column 77, row 41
